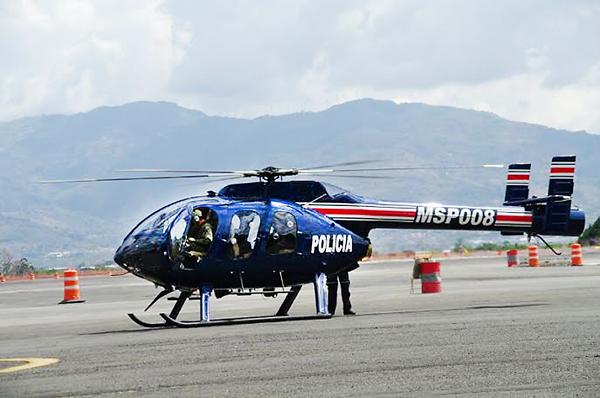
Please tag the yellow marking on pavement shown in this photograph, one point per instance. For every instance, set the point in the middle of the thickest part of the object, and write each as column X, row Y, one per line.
column 30, row 363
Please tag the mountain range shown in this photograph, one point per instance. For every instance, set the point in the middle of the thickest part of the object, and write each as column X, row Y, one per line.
column 74, row 224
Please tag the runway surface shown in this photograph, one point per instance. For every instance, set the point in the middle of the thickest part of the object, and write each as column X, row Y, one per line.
column 493, row 331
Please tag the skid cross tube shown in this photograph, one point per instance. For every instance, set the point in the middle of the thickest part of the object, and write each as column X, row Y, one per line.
column 288, row 301
column 183, row 296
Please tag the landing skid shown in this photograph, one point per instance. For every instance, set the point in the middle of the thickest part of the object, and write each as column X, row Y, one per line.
column 170, row 320
column 174, row 312
column 238, row 321
column 145, row 324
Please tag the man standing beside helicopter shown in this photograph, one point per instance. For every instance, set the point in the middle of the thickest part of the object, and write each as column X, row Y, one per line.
column 332, row 287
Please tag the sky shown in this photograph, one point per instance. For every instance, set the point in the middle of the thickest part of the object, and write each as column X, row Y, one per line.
column 533, row 61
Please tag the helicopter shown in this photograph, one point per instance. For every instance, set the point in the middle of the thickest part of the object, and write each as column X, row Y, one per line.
column 272, row 236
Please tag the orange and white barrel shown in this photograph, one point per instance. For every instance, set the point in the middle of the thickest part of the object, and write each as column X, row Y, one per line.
column 576, row 257
column 71, row 287
column 31, row 276
column 533, row 257
column 431, row 280
column 512, row 258
column 56, row 276
column 2, row 278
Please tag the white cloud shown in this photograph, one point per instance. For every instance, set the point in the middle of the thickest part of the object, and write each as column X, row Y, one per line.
column 69, row 56
column 532, row 61
column 523, row 97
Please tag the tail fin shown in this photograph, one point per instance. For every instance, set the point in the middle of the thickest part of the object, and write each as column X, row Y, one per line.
column 552, row 214
column 517, row 182
column 562, row 173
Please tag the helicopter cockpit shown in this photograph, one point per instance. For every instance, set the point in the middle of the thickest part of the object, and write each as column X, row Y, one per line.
column 192, row 235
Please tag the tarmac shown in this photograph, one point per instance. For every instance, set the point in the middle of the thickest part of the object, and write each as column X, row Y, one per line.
column 493, row 330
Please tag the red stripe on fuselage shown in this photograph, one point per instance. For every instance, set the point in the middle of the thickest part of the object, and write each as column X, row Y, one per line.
column 514, row 217
column 367, row 212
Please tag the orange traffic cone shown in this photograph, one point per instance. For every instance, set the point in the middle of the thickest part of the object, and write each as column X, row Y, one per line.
column 56, row 276
column 534, row 258
column 576, row 258
column 71, row 284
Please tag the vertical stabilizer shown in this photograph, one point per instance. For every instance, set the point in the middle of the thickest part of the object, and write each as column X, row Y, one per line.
column 517, row 182
column 562, row 173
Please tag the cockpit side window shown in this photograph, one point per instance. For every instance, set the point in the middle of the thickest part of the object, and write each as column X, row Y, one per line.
column 243, row 233
column 282, row 234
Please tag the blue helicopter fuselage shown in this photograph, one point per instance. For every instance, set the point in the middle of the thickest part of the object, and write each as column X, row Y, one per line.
column 153, row 249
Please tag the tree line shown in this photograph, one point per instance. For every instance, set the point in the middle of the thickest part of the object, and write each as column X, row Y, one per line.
column 10, row 266
column 591, row 235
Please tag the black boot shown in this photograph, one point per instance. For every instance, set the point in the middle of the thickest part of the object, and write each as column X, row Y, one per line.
column 332, row 287
column 345, row 288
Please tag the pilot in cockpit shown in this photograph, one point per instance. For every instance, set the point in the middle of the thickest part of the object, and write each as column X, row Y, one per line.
column 200, row 235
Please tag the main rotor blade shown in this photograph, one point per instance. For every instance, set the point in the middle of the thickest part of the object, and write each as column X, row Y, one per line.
column 125, row 179
column 177, row 171
column 348, row 176
column 484, row 166
column 340, row 164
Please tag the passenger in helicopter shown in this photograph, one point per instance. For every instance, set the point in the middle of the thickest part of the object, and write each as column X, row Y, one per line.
column 200, row 235
column 244, row 232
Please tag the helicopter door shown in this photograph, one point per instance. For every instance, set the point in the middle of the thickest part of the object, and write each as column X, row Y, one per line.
column 283, row 234
column 243, row 235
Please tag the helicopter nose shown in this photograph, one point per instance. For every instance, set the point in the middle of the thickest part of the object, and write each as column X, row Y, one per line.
column 144, row 258
column 130, row 256
column 120, row 258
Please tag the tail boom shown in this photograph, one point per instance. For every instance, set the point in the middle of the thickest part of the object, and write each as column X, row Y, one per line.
column 427, row 216
column 550, row 215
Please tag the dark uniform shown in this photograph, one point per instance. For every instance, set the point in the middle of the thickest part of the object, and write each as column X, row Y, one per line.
column 332, row 287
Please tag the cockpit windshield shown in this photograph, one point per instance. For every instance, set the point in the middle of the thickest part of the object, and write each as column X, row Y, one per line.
column 159, row 220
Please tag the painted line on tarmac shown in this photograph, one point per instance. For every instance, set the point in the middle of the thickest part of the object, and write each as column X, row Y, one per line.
column 30, row 363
